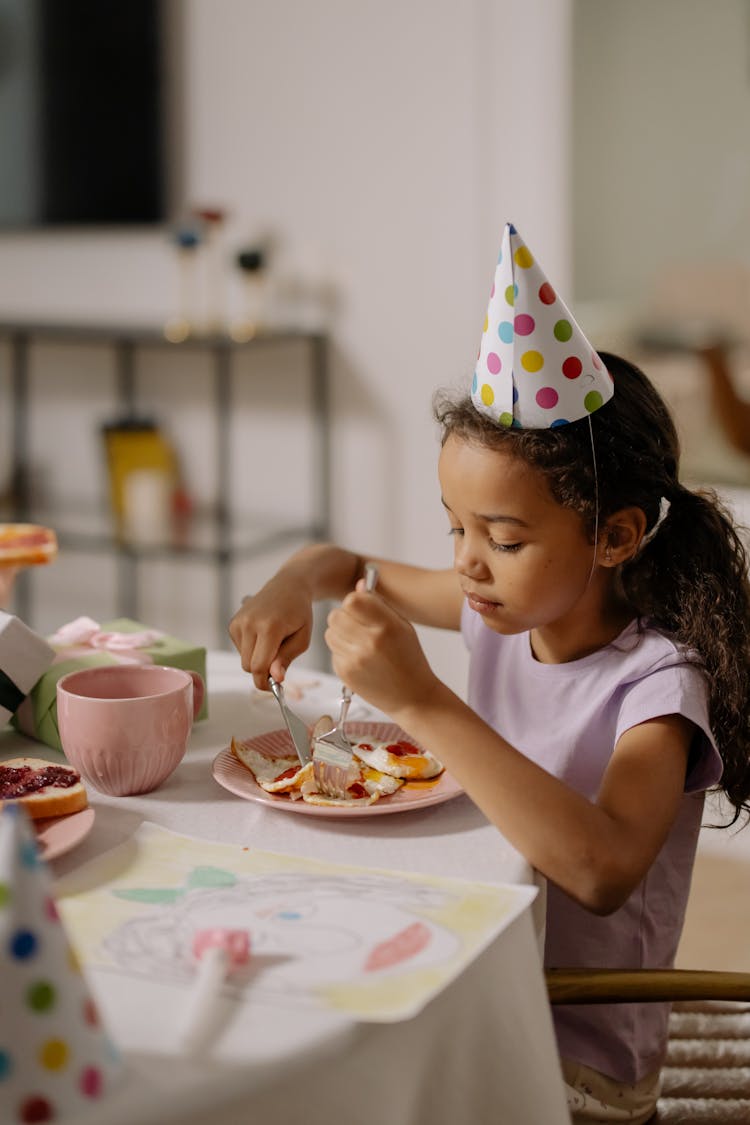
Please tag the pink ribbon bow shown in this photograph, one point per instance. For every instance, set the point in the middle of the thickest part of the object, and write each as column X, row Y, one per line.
column 85, row 632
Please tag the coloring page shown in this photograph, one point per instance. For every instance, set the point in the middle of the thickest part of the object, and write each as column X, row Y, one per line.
column 374, row 944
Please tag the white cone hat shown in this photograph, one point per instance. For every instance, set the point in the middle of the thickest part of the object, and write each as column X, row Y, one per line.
column 56, row 1060
column 536, row 369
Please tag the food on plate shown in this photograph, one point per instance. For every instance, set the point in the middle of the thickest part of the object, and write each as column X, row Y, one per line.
column 274, row 773
column 43, row 788
column 366, row 789
column 381, row 768
column 324, row 725
column 283, row 776
column 26, row 544
column 398, row 759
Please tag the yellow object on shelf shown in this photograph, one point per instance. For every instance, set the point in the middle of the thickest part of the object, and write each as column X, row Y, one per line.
column 136, row 454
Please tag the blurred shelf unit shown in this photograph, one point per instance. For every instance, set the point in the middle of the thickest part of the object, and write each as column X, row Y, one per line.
column 217, row 537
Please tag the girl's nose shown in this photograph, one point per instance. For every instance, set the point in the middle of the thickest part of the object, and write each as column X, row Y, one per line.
column 468, row 562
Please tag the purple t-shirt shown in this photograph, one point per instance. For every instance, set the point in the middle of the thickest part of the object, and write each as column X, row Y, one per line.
column 568, row 718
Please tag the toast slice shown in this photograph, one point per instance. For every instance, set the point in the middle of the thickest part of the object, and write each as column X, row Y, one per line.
column 26, row 544
column 45, row 789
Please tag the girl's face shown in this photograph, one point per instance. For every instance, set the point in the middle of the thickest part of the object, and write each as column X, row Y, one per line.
column 523, row 560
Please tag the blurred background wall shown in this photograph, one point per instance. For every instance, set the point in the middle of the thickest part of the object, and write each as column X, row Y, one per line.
column 660, row 153
column 660, row 167
column 377, row 149
column 381, row 146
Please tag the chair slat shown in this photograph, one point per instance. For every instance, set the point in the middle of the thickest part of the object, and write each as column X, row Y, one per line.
column 620, row 986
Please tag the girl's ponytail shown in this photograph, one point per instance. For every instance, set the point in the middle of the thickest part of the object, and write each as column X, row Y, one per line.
column 691, row 581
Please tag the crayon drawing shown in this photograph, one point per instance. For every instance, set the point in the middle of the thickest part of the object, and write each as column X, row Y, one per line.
column 376, row 944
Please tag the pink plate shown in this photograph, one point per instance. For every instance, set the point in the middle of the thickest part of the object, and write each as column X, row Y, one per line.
column 235, row 777
column 58, row 834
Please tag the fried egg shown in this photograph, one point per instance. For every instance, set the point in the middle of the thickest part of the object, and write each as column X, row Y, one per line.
column 370, row 787
column 381, row 783
column 358, row 795
column 400, row 759
column 282, row 775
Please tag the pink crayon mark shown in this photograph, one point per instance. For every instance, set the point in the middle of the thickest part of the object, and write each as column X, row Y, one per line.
column 403, row 945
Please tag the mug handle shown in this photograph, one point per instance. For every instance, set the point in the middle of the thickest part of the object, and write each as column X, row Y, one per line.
column 199, row 691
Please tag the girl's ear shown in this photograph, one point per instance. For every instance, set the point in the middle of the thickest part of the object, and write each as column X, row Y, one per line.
column 621, row 536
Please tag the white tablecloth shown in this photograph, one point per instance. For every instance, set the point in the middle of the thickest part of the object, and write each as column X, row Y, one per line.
column 483, row 1050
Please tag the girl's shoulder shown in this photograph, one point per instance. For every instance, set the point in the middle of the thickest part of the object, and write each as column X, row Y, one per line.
column 651, row 647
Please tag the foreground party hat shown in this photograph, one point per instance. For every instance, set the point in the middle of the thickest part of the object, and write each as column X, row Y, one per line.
column 536, row 369
column 56, row 1061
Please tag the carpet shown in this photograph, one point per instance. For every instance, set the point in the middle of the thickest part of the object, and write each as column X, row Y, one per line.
column 706, row 1079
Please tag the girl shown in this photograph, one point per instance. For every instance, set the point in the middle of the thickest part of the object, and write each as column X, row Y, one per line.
column 607, row 613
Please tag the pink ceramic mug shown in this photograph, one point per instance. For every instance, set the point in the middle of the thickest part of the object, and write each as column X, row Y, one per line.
column 125, row 727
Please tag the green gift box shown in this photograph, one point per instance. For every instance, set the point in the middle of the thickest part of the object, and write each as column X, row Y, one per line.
column 37, row 715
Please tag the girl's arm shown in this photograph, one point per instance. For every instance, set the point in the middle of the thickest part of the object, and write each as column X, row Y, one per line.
column 274, row 626
column 597, row 852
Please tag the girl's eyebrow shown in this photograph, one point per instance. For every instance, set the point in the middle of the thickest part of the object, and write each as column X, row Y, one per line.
column 502, row 519
column 491, row 518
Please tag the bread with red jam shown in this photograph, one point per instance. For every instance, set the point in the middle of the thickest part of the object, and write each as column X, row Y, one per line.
column 44, row 789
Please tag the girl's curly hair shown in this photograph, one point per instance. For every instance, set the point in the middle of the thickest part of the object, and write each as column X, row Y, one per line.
column 691, row 580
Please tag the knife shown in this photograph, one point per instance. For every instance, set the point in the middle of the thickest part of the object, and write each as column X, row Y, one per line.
column 297, row 728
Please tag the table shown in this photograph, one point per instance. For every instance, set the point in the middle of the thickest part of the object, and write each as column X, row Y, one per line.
column 482, row 1050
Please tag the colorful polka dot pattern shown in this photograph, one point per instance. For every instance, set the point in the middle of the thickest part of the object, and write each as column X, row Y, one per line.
column 536, row 369
column 56, row 1062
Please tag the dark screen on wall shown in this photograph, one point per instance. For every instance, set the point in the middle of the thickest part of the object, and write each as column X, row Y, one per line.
column 81, row 112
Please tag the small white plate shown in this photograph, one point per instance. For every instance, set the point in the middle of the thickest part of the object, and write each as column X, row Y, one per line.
column 56, row 835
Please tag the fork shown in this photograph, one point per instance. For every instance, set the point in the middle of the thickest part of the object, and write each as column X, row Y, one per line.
column 334, row 768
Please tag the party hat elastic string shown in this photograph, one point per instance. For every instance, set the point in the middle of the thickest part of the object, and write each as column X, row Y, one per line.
column 596, row 504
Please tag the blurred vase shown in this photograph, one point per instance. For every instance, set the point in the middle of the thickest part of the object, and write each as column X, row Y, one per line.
column 185, row 322
column 252, row 264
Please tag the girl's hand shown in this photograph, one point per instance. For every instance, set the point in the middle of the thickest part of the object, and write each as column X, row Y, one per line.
column 377, row 653
column 273, row 627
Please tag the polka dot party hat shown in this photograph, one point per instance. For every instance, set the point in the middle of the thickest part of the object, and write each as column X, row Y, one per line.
column 56, row 1061
column 536, row 369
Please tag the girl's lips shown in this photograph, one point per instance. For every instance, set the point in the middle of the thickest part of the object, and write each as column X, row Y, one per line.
column 481, row 605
